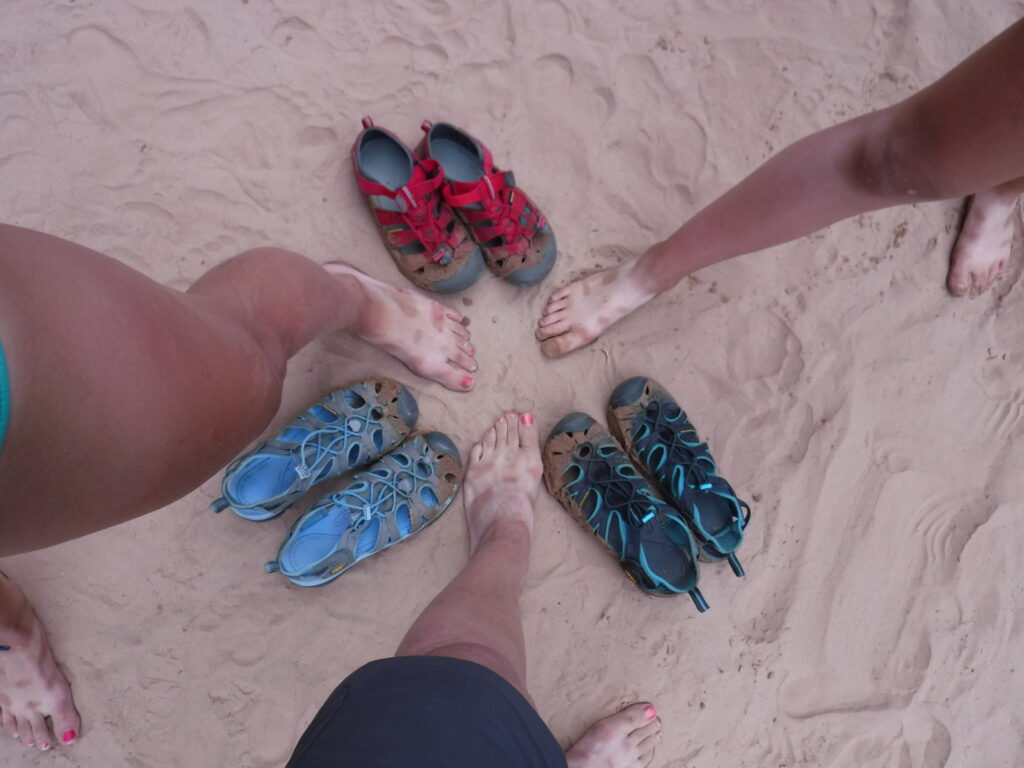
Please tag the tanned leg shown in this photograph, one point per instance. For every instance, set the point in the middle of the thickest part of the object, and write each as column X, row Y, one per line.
column 957, row 137
column 126, row 395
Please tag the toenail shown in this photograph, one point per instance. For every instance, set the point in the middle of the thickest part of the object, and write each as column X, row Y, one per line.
column 69, row 736
column 527, row 419
column 30, row 743
column 649, row 711
column 501, row 418
column 467, row 382
column 45, row 746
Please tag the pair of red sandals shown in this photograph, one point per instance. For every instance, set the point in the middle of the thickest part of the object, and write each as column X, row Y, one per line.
column 445, row 211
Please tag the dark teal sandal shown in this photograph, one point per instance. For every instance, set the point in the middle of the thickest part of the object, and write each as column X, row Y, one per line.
column 400, row 495
column 349, row 428
column 659, row 437
column 587, row 471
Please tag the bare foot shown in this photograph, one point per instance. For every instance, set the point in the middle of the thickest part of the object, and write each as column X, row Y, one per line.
column 983, row 247
column 32, row 688
column 580, row 312
column 429, row 338
column 503, row 475
column 623, row 740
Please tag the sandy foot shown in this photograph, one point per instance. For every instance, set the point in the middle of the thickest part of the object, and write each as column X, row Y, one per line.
column 581, row 311
column 429, row 338
column 983, row 247
column 623, row 740
column 503, row 476
column 32, row 688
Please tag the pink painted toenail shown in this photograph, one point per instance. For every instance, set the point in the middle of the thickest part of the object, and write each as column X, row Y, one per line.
column 527, row 419
column 46, row 746
column 649, row 711
column 466, row 382
column 30, row 743
column 69, row 736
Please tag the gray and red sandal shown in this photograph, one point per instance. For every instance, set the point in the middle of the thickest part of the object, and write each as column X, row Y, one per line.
column 428, row 243
column 518, row 243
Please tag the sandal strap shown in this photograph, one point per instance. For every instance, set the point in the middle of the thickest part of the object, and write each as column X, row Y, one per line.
column 420, row 218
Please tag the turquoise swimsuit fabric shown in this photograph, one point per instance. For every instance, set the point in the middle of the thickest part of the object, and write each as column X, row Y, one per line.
column 5, row 397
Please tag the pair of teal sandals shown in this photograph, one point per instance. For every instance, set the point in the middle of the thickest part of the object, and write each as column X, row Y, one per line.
column 407, row 481
column 658, row 537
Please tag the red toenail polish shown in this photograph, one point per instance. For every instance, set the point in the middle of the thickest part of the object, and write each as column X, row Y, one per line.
column 649, row 712
column 467, row 381
column 46, row 746
column 30, row 743
column 69, row 736
column 527, row 419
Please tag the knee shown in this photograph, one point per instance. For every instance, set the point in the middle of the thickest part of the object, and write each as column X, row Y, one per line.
column 895, row 157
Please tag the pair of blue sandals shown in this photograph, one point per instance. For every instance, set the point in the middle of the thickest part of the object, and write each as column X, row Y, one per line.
column 658, row 537
column 407, row 480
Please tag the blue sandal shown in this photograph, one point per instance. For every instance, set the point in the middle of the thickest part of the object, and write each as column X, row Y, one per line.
column 347, row 429
column 659, row 437
column 401, row 494
column 587, row 471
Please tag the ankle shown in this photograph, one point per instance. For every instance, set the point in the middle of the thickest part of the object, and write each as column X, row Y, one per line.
column 652, row 272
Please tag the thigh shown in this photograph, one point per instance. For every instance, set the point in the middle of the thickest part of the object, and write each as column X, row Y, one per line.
column 125, row 395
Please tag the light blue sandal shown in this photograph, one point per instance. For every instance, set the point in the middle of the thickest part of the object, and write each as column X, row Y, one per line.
column 402, row 493
column 349, row 428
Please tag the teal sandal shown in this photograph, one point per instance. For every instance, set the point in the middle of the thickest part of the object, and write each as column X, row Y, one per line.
column 347, row 429
column 401, row 494
column 659, row 437
column 587, row 471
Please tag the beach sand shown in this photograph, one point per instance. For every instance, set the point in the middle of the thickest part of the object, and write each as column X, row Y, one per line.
column 873, row 422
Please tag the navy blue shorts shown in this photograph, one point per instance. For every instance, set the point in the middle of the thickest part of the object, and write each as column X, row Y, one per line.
column 427, row 712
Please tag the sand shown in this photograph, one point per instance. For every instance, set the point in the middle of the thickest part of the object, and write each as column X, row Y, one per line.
column 873, row 422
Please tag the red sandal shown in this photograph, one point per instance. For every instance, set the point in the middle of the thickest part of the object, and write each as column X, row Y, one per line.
column 516, row 238
column 429, row 244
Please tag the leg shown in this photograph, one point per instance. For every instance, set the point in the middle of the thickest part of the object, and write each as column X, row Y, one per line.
column 954, row 138
column 983, row 246
column 106, row 363
column 127, row 395
column 477, row 616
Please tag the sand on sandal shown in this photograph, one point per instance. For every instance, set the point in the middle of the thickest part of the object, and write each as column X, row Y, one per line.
column 874, row 423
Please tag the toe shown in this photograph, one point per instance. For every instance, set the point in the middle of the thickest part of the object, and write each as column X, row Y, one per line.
column 25, row 732
column 501, row 431
column 551, row 331
column 637, row 715
column 454, row 316
column 489, row 441
column 10, row 725
column 556, row 306
column 553, row 317
column 561, row 293
column 459, row 330
column 528, row 437
column 461, row 360
column 512, row 420
column 66, row 724
column 959, row 279
column 646, row 758
column 40, row 732
column 476, row 453
column 563, row 344
column 648, row 729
